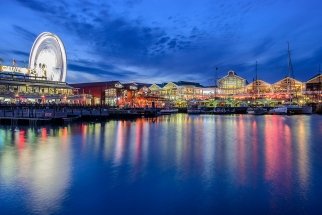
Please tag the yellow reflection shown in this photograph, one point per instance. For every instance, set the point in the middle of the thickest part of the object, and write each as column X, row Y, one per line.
column 303, row 125
column 120, row 142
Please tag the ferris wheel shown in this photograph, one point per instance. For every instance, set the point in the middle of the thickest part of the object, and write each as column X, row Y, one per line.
column 48, row 57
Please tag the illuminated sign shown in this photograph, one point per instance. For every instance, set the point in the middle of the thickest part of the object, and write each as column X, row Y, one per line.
column 14, row 69
column 118, row 85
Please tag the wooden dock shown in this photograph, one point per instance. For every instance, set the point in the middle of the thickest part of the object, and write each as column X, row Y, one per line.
column 33, row 115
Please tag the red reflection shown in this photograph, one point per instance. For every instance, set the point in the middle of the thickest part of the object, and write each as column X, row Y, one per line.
column 21, row 139
column 44, row 133
column 277, row 152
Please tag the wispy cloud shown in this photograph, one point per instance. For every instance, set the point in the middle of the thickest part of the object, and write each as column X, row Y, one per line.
column 138, row 39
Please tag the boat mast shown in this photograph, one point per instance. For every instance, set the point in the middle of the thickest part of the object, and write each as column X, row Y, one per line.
column 216, row 87
column 320, row 85
column 290, row 72
column 256, row 77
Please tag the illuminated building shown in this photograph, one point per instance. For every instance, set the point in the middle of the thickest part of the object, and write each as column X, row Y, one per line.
column 231, row 84
column 314, row 84
column 102, row 92
column 155, row 89
column 180, row 90
column 313, row 88
column 140, row 95
column 44, row 80
column 288, row 86
column 259, row 88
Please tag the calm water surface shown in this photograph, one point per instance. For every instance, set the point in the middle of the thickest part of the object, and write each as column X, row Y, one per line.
column 170, row 165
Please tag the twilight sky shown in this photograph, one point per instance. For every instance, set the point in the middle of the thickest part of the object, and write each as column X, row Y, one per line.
column 169, row 40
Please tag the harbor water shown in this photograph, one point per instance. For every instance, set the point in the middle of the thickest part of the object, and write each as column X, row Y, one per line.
column 177, row 164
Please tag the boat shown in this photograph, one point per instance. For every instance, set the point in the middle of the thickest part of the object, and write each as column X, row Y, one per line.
column 281, row 110
column 257, row 111
column 195, row 111
column 168, row 111
column 224, row 110
column 250, row 110
column 296, row 109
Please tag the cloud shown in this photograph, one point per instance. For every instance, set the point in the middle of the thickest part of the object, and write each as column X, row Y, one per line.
column 20, row 53
column 24, row 33
column 128, row 39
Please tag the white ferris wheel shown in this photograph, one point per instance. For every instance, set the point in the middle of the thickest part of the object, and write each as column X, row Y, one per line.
column 48, row 57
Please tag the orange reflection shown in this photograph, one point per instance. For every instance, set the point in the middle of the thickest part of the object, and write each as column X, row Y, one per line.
column 43, row 133
column 119, row 142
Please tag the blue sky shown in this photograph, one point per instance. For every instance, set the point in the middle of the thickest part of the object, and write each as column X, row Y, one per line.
column 169, row 40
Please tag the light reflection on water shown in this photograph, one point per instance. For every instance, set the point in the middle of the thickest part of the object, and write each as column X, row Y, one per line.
column 188, row 164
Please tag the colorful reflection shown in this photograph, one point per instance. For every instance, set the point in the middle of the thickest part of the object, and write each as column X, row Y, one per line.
column 37, row 165
column 213, row 158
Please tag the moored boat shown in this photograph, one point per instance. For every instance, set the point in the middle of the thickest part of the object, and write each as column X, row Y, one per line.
column 195, row 111
column 281, row 110
column 296, row 109
column 168, row 111
column 250, row 110
column 224, row 110
column 257, row 111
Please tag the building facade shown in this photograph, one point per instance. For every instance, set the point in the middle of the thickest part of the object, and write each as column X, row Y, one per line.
column 231, row 84
column 43, row 80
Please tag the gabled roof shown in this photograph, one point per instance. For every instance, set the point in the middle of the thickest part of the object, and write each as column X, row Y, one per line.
column 290, row 78
column 315, row 77
column 158, row 85
column 188, row 83
column 231, row 73
column 258, row 81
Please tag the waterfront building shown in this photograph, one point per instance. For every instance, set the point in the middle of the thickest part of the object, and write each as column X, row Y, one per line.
column 287, row 87
column 314, row 84
column 155, row 89
column 22, row 88
column 181, row 90
column 129, row 95
column 209, row 92
column 44, row 80
column 258, row 88
column 231, row 84
column 313, row 88
column 103, row 93
column 145, row 98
